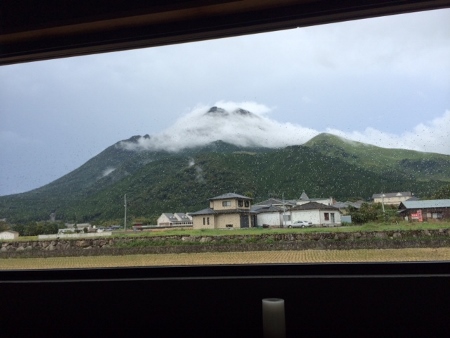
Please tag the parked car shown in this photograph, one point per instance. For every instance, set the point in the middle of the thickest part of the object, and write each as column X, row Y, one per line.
column 301, row 224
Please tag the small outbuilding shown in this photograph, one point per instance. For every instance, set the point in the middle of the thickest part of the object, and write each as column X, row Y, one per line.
column 272, row 215
column 9, row 235
column 425, row 210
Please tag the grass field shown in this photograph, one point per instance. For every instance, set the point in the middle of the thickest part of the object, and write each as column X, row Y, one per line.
column 259, row 231
column 216, row 258
column 256, row 231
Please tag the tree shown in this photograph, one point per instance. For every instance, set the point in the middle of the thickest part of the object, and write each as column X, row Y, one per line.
column 373, row 213
column 4, row 226
column 442, row 193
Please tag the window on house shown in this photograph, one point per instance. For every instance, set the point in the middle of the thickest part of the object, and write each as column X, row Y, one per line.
column 286, row 217
column 207, row 220
column 203, row 220
column 226, row 203
column 240, row 203
column 247, row 204
column 326, row 216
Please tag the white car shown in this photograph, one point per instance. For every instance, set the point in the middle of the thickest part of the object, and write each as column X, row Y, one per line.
column 301, row 224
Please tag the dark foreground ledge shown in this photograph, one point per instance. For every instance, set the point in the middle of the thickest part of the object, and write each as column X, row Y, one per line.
column 331, row 300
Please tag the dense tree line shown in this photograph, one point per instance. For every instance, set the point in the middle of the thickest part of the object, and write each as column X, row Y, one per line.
column 373, row 212
column 442, row 193
column 38, row 228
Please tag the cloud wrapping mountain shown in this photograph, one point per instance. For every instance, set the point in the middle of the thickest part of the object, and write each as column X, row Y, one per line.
column 247, row 124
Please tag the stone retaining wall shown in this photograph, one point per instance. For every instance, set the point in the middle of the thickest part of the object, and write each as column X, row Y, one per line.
column 179, row 244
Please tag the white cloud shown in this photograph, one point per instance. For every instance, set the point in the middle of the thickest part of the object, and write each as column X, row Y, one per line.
column 107, row 171
column 198, row 128
column 431, row 136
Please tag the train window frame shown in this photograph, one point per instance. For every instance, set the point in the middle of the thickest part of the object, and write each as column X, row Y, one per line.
column 344, row 13
column 128, row 289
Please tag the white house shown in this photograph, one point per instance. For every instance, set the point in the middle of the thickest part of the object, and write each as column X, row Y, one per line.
column 305, row 199
column 9, row 234
column 78, row 226
column 317, row 213
column 272, row 215
column 178, row 218
column 392, row 198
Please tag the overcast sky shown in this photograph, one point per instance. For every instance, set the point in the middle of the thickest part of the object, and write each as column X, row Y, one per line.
column 384, row 81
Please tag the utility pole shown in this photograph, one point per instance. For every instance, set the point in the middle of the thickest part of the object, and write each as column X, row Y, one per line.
column 125, row 217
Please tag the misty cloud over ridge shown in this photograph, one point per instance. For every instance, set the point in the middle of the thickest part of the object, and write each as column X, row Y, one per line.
column 247, row 124
column 200, row 127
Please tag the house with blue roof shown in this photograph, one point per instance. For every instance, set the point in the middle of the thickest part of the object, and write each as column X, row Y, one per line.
column 425, row 210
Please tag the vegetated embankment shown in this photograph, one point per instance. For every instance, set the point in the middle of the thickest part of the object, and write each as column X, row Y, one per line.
column 395, row 239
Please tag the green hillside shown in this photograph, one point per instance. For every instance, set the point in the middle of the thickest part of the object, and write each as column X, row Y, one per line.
column 415, row 164
column 159, row 181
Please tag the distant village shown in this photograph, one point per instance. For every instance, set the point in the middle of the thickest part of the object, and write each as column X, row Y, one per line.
column 234, row 211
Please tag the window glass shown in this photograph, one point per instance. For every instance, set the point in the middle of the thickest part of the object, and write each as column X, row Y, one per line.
column 352, row 118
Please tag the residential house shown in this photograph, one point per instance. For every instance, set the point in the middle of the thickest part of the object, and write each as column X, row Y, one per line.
column 272, row 215
column 225, row 211
column 392, row 198
column 343, row 206
column 305, row 199
column 9, row 235
column 79, row 226
column 273, row 212
column 317, row 213
column 425, row 210
column 178, row 218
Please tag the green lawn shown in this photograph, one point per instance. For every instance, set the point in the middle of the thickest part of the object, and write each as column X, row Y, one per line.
column 258, row 231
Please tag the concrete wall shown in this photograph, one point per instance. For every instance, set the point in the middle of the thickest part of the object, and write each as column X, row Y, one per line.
column 80, row 235
column 9, row 235
column 270, row 218
column 228, row 219
column 337, row 217
column 163, row 220
column 312, row 216
column 316, row 216
column 197, row 222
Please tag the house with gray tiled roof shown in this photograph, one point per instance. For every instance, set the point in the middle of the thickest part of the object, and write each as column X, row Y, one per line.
column 317, row 213
column 225, row 211
column 305, row 199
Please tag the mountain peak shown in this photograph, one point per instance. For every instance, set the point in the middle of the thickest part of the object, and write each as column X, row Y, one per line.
column 217, row 111
column 136, row 138
column 326, row 138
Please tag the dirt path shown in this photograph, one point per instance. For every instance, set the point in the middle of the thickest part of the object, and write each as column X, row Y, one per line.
column 254, row 257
